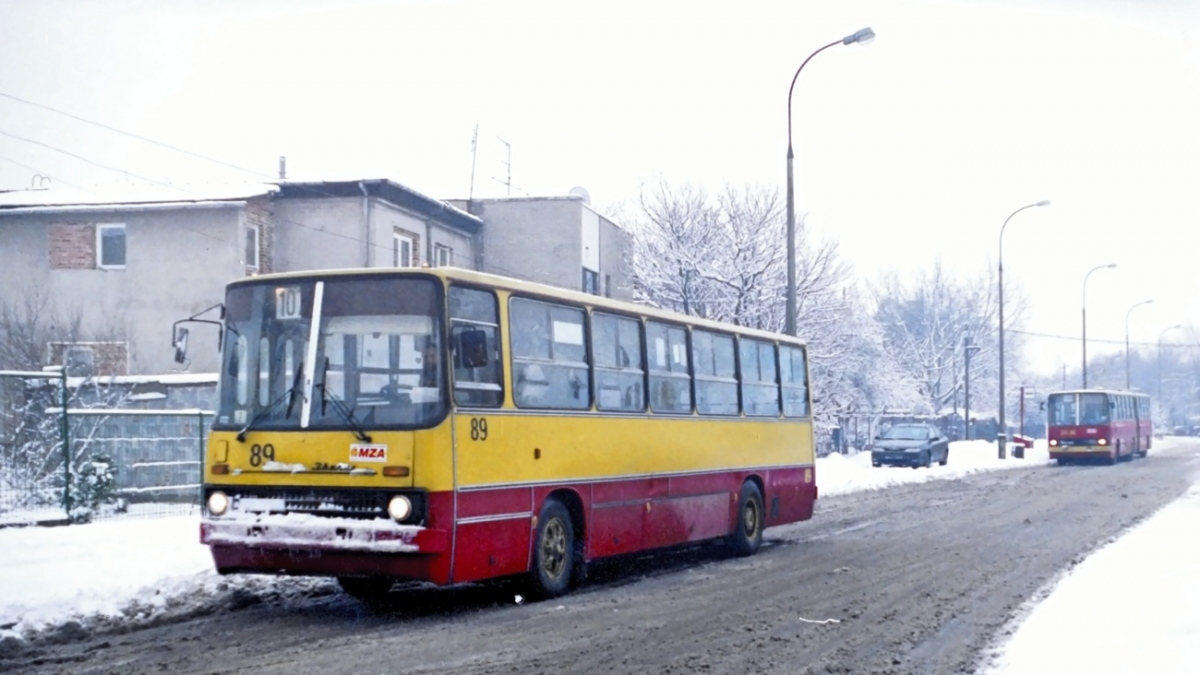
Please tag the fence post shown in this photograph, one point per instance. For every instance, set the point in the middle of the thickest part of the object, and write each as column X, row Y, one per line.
column 66, row 438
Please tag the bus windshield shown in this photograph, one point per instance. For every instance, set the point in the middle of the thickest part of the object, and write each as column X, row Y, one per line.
column 1062, row 410
column 376, row 363
column 1076, row 409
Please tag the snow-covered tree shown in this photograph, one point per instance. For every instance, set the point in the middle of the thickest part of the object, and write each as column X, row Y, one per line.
column 724, row 258
column 924, row 322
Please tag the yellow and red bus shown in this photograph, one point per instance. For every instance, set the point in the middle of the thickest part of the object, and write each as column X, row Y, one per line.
column 451, row 426
column 1098, row 424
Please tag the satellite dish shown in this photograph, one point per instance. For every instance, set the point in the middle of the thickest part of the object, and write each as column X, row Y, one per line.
column 578, row 191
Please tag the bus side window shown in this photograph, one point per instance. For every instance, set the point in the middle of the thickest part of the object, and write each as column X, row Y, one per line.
column 550, row 360
column 760, row 388
column 472, row 309
column 617, row 357
column 670, row 372
column 716, row 373
column 793, row 376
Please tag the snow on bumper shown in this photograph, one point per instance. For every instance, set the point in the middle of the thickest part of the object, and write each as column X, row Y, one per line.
column 309, row 532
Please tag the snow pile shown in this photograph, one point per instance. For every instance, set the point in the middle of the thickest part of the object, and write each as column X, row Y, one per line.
column 840, row 474
column 1097, row 619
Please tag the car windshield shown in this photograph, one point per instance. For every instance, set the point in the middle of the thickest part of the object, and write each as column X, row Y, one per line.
column 906, row 433
column 376, row 363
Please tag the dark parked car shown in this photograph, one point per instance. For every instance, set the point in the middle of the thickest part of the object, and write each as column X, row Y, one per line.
column 911, row 445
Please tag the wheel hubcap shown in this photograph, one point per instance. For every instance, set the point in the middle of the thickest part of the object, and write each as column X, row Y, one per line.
column 554, row 548
column 750, row 519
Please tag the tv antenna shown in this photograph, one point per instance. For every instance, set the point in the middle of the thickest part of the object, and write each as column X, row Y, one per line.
column 507, row 182
column 474, row 154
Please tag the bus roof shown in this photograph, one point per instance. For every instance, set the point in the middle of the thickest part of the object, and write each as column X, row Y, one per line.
column 520, row 286
column 1099, row 390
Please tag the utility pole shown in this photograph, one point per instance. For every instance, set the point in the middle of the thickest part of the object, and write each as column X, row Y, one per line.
column 969, row 349
column 1022, row 410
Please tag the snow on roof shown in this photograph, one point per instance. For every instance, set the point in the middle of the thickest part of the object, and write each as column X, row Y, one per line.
column 131, row 195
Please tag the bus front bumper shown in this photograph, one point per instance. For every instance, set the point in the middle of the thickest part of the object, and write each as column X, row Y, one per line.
column 1082, row 452
column 306, row 533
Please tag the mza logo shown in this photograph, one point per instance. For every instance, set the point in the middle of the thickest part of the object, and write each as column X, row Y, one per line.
column 360, row 452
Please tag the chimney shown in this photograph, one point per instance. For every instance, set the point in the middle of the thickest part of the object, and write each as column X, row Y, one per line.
column 282, row 168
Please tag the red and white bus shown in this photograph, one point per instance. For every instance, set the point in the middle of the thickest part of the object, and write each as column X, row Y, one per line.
column 450, row 426
column 1098, row 424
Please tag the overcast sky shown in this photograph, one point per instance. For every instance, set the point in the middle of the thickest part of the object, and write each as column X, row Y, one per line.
column 915, row 147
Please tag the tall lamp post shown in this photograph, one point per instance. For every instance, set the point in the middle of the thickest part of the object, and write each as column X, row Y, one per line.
column 1160, row 337
column 1002, row 435
column 1084, row 306
column 862, row 37
column 1127, row 313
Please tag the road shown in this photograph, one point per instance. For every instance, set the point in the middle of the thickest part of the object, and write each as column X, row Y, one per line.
column 919, row 579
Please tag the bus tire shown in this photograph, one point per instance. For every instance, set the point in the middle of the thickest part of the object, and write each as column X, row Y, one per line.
column 553, row 552
column 366, row 589
column 748, row 531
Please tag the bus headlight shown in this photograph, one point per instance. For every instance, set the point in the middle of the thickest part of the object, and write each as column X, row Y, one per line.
column 1053, row 441
column 1103, row 441
column 399, row 508
column 218, row 503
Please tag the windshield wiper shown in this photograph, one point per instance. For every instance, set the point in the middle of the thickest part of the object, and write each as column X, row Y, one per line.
column 347, row 414
column 290, row 395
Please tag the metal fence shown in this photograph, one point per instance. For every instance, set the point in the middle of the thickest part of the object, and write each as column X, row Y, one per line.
column 60, row 462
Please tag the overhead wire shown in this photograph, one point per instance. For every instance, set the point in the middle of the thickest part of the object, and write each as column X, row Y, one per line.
column 41, row 172
column 184, row 151
column 1077, row 338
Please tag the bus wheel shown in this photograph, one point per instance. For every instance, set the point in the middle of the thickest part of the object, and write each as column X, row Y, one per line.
column 554, row 551
column 366, row 589
column 747, row 534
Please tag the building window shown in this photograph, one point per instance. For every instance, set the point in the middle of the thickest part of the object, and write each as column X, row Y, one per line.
column 252, row 248
column 110, row 246
column 79, row 361
column 608, row 285
column 443, row 256
column 591, row 282
column 402, row 250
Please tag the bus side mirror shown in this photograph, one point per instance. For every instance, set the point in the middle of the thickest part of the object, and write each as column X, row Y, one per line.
column 1042, row 406
column 472, row 348
column 180, row 344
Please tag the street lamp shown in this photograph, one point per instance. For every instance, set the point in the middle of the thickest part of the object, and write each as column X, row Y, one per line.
column 862, row 37
column 1144, row 302
column 1160, row 337
column 1002, row 437
column 1085, row 280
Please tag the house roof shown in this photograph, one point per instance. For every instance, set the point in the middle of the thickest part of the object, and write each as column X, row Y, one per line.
column 382, row 188
column 127, row 196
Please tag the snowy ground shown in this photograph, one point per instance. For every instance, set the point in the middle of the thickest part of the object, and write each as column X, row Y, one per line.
column 134, row 570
